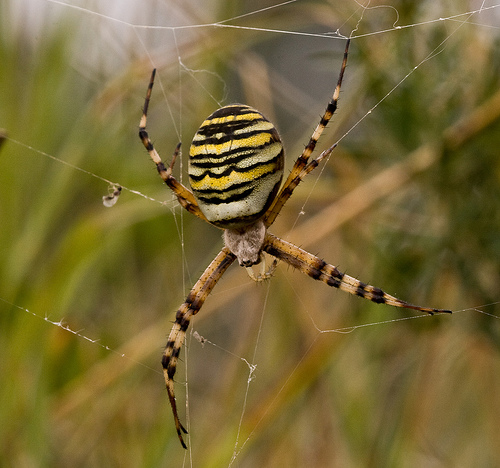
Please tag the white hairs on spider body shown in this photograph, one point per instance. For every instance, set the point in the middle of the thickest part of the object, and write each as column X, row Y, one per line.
column 246, row 243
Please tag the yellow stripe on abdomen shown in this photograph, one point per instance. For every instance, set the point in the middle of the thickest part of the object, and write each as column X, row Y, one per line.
column 235, row 166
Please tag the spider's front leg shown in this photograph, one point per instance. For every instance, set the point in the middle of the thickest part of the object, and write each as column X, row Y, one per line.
column 183, row 194
column 329, row 274
column 191, row 307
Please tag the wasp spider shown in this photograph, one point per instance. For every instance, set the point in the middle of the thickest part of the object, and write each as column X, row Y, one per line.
column 235, row 170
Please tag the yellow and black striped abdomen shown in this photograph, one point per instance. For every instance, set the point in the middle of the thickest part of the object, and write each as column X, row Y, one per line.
column 235, row 166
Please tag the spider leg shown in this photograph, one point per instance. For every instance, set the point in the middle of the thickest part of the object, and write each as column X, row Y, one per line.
column 191, row 306
column 329, row 274
column 289, row 185
column 184, row 195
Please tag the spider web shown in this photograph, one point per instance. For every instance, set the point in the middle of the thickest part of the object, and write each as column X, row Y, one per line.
column 235, row 337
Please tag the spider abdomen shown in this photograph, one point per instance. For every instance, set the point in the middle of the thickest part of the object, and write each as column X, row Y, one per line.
column 235, row 166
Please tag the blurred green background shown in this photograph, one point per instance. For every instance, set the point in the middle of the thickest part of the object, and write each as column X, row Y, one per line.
column 408, row 201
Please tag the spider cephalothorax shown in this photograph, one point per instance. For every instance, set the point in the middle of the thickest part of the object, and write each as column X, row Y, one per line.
column 235, row 170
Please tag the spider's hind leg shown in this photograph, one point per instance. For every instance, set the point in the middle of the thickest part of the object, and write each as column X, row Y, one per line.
column 302, row 166
column 183, row 194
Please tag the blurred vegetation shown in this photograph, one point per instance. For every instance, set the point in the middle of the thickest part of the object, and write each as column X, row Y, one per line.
column 409, row 202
